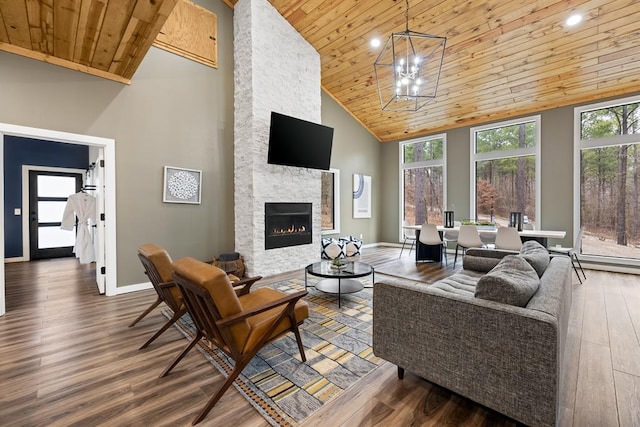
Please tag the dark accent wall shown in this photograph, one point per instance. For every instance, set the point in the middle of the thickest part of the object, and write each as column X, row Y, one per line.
column 33, row 152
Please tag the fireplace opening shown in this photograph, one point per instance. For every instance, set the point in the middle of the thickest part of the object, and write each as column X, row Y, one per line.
column 287, row 224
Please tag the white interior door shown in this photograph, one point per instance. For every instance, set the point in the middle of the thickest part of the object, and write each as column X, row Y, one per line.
column 95, row 177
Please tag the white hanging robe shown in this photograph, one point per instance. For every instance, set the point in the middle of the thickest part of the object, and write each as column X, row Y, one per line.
column 83, row 206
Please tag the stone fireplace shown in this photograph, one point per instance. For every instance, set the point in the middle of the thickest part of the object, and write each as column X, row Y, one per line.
column 277, row 70
column 287, row 224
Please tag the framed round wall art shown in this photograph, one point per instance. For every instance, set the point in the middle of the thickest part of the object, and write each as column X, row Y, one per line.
column 182, row 185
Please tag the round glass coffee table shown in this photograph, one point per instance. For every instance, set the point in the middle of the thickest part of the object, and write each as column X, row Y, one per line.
column 339, row 281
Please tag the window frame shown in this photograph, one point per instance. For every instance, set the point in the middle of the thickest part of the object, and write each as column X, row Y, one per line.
column 578, row 145
column 336, row 203
column 496, row 155
column 414, row 165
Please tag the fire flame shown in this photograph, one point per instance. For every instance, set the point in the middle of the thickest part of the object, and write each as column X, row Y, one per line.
column 291, row 230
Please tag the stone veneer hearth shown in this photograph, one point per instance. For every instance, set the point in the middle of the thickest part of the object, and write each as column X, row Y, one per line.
column 275, row 69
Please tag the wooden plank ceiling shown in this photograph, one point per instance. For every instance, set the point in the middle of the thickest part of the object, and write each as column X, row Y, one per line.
column 503, row 58
column 107, row 38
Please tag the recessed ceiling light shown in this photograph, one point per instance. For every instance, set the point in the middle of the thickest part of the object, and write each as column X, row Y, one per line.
column 375, row 42
column 574, row 20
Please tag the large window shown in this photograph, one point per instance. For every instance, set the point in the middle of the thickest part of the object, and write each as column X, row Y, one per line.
column 608, row 179
column 330, row 201
column 422, row 180
column 504, row 171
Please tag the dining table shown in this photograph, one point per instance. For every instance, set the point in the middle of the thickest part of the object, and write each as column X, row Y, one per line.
column 541, row 236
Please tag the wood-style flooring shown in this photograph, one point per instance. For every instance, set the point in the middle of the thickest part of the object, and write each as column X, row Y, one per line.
column 68, row 358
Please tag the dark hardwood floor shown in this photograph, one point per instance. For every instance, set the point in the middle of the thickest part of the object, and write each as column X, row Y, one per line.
column 68, row 358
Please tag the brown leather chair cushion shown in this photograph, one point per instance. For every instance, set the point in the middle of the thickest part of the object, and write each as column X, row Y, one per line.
column 260, row 323
column 219, row 286
column 162, row 261
column 245, row 334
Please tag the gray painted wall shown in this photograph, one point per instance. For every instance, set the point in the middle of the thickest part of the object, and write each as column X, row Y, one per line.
column 390, row 192
column 556, row 198
column 355, row 150
column 176, row 112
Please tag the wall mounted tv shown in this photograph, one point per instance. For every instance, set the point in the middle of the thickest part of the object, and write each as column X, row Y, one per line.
column 296, row 142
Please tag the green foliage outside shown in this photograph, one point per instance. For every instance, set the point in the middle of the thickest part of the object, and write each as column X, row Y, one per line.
column 326, row 200
column 423, row 195
column 431, row 149
column 506, row 138
column 610, row 176
column 508, row 184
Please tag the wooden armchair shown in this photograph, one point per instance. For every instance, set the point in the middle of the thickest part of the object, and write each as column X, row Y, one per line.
column 238, row 323
column 157, row 266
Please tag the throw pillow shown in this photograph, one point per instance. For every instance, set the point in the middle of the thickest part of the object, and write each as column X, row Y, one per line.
column 332, row 248
column 352, row 246
column 536, row 255
column 513, row 281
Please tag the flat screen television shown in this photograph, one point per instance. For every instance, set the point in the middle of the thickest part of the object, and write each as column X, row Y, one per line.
column 297, row 142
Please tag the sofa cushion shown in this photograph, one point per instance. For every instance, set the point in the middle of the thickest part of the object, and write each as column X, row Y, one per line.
column 536, row 255
column 479, row 263
column 462, row 284
column 513, row 281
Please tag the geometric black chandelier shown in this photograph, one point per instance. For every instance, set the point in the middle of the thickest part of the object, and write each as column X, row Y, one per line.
column 408, row 69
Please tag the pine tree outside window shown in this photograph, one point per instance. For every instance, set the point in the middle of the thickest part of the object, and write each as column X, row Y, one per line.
column 505, row 171
column 607, row 180
column 422, row 180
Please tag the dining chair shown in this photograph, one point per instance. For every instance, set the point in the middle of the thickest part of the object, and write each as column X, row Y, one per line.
column 157, row 266
column 449, row 236
column 468, row 237
column 430, row 237
column 572, row 253
column 409, row 235
column 239, row 325
column 508, row 238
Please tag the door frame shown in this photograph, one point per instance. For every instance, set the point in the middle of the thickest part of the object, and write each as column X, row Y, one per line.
column 109, row 194
column 26, row 246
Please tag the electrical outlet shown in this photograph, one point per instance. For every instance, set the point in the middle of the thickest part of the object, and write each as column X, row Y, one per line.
column 360, row 236
column 17, row 211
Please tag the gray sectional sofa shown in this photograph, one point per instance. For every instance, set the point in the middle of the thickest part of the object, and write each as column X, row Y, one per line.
column 504, row 356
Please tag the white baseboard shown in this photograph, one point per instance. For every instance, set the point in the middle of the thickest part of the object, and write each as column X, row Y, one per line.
column 614, row 268
column 16, row 259
column 374, row 245
column 133, row 288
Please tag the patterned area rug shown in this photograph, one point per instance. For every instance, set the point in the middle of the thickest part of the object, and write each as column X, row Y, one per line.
column 337, row 344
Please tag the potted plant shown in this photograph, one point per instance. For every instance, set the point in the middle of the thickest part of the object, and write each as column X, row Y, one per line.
column 338, row 263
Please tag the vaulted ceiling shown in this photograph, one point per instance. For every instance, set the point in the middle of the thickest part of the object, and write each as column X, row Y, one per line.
column 107, row 38
column 503, row 58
